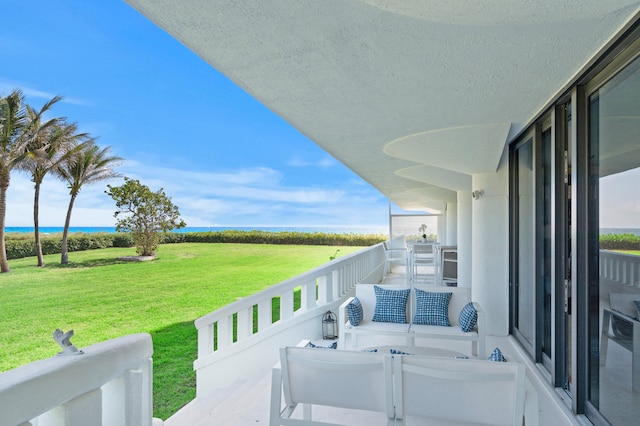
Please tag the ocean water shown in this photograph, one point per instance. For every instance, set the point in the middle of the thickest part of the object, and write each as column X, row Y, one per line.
column 112, row 229
column 325, row 229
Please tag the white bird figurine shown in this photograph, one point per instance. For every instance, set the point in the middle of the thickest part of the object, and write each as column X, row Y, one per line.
column 64, row 341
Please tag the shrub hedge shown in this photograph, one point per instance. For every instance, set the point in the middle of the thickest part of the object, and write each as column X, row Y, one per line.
column 18, row 246
column 620, row 242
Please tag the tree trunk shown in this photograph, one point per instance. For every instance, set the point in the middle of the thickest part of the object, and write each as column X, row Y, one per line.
column 36, row 228
column 4, row 264
column 64, row 259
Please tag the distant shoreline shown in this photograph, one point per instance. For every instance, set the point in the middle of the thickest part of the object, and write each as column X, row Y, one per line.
column 305, row 229
column 112, row 229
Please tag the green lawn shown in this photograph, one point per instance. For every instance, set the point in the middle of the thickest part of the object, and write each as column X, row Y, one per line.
column 634, row 252
column 101, row 298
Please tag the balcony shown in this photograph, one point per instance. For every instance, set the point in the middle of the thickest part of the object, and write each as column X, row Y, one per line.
column 111, row 380
column 246, row 401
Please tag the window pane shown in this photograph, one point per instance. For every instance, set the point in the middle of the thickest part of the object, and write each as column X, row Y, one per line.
column 546, row 240
column 526, row 242
column 614, row 280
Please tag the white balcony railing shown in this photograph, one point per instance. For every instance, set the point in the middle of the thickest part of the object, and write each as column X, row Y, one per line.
column 109, row 384
column 243, row 336
column 619, row 273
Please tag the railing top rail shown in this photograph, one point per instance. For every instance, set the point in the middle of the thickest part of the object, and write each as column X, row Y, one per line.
column 33, row 389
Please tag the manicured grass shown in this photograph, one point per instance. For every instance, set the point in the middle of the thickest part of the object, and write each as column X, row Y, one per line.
column 101, row 298
column 634, row 252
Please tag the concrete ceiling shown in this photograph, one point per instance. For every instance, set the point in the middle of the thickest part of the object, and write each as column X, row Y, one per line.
column 414, row 96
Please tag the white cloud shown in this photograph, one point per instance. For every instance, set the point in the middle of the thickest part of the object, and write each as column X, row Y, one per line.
column 92, row 207
column 324, row 162
column 7, row 87
column 242, row 197
column 619, row 196
column 257, row 184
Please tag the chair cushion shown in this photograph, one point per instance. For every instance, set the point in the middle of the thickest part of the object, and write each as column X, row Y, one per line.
column 468, row 317
column 334, row 345
column 497, row 356
column 432, row 308
column 398, row 352
column 354, row 311
column 391, row 305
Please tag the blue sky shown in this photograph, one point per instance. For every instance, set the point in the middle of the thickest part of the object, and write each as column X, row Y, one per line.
column 180, row 125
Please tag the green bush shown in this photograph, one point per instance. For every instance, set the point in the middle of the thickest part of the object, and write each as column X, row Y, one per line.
column 620, row 242
column 285, row 237
column 17, row 249
column 21, row 246
column 123, row 240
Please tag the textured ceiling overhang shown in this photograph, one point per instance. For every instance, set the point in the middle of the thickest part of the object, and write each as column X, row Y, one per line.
column 413, row 96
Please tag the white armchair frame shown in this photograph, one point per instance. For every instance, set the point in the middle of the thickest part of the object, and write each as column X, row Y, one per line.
column 335, row 378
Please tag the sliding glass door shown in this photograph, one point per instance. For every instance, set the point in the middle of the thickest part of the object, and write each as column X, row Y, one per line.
column 539, row 227
column 575, row 239
column 613, row 259
column 523, row 270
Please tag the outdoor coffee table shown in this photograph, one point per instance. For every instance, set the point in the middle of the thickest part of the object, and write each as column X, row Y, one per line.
column 419, row 350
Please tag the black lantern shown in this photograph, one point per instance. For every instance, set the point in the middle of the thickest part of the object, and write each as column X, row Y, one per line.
column 329, row 326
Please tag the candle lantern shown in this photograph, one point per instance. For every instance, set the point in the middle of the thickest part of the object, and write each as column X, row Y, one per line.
column 329, row 326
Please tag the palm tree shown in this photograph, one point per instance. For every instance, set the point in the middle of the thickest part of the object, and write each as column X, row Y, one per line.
column 88, row 165
column 15, row 136
column 47, row 150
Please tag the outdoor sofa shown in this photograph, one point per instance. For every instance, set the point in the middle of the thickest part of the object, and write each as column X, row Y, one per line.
column 425, row 312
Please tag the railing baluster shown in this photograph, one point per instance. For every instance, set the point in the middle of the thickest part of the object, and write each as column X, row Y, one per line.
column 225, row 331
column 245, row 323
column 336, row 278
column 323, row 290
column 205, row 340
column 308, row 294
column 265, row 314
column 85, row 410
column 286, row 305
column 113, row 399
column 133, row 411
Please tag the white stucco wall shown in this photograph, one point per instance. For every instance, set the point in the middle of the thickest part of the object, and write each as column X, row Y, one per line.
column 490, row 242
column 464, row 238
column 451, row 222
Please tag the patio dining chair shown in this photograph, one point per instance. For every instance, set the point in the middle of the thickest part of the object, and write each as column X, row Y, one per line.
column 348, row 380
column 423, row 257
column 454, row 390
column 395, row 253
